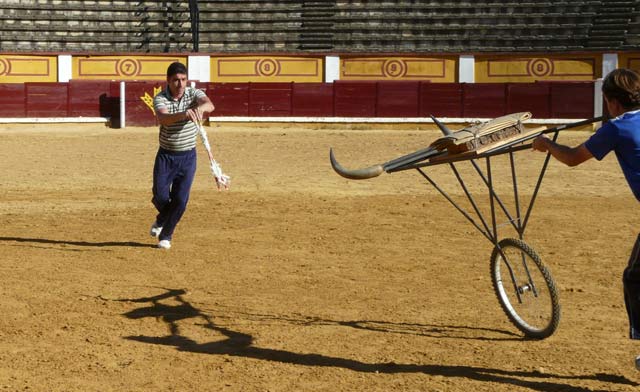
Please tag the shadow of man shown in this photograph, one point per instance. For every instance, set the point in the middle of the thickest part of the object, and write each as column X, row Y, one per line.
column 77, row 243
column 241, row 345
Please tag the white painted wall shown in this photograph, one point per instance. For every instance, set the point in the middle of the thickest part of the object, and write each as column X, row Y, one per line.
column 331, row 69
column 65, row 68
column 467, row 69
column 199, row 68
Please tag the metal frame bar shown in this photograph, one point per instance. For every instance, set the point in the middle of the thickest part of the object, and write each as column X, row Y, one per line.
column 537, row 188
column 491, row 232
column 472, row 201
column 495, row 195
column 460, row 209
column 492, row 202
column 516, row 197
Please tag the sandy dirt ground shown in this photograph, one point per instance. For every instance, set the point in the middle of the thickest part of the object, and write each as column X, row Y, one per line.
column 296, row 279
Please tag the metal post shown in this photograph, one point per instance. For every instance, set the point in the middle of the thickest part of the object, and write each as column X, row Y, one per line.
column 456, row 206
column 491, row 202
column 195, row 24
column 515, row 195
column 123, row 99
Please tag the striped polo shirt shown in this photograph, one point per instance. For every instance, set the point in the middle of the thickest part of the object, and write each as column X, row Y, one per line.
column 179, row 136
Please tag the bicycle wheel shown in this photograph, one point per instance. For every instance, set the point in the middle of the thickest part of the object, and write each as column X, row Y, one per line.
column 525, row 288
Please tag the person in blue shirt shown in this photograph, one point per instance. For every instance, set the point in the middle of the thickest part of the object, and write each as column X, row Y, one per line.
column 621, row 134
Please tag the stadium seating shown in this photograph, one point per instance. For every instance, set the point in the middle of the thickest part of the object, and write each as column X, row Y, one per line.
column 612, row 27
column 254, row 26
column 445, row 26
column 435, row 26
column 102, row 26
column 348, row 26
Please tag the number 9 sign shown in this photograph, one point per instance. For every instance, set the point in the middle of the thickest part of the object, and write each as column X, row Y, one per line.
column 394, row 68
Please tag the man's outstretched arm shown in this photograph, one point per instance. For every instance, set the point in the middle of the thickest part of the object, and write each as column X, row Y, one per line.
column 570, row 156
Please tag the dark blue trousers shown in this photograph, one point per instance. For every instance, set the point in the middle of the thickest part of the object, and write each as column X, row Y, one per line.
column 631, row 282
column 173, row 174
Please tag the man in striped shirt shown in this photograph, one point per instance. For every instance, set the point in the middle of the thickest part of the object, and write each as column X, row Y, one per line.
column 179, row 110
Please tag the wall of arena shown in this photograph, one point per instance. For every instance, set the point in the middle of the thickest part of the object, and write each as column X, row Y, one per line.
column 413, row 101
column 20, row 68
column 459, row 86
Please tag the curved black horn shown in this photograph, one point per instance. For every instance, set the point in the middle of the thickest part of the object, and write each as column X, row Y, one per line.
column 356, row 174
column 442, row 127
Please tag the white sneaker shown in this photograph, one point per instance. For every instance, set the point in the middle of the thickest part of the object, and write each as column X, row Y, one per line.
column 155, row 230
column 638, row 362
column 164, row 244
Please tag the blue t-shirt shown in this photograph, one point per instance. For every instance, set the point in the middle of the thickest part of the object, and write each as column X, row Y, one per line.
column 622, row 135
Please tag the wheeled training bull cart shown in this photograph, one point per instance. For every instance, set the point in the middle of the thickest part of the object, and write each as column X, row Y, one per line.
column 523, row 284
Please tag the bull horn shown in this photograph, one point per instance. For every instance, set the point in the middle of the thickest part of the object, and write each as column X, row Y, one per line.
column 446, row 131
column 356, row 174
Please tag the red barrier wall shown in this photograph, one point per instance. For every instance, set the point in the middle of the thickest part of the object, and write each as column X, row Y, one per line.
column 354, row 99
column 312, row 99
column 530, row 97
column 398, row 99
column 12, row 100
column 441, row 99
column 270, row 99
column 47, row 99
column 73, row 99
column 229, row 99
column 403, row 99
column 89, row 99
column 137, row 111
column 484, row 100
column 339, row 99
column 571, row 99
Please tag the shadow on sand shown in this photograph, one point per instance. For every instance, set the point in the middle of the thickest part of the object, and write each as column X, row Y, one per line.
column 241, row 345
column 76, row 243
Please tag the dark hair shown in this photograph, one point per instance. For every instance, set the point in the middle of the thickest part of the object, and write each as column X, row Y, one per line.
column 176, row 68
column 623, row 85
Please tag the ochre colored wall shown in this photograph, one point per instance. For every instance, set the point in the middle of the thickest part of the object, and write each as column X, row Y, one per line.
column 20, row 69
column 434, row 69
column 304, row 69
column 267, row 69
column 123, row 67
column 629, row 60
column 492, row 69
